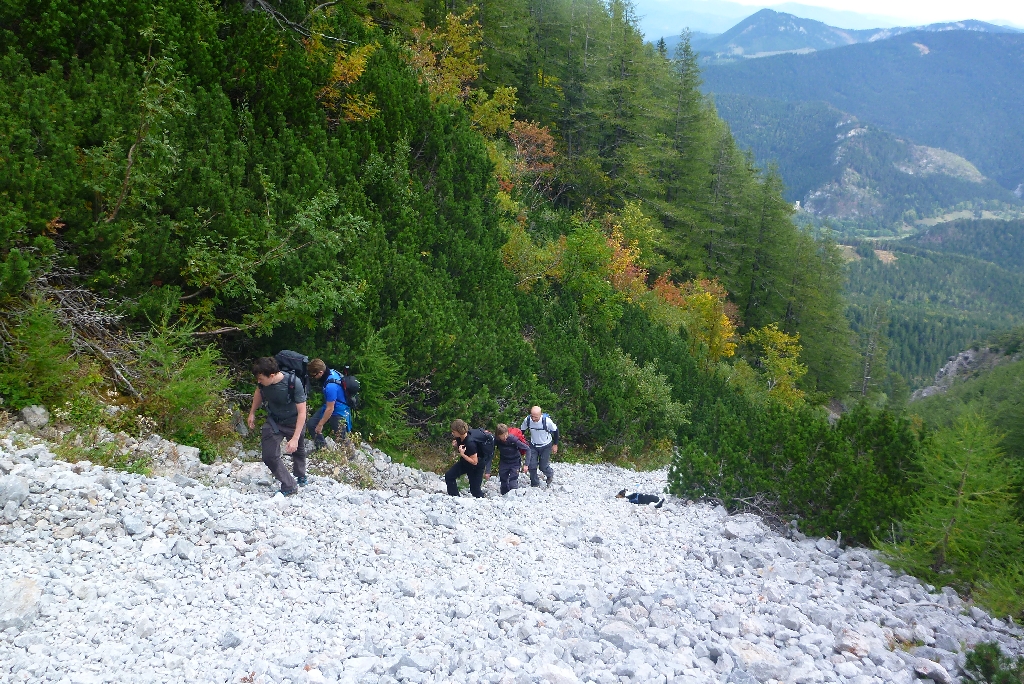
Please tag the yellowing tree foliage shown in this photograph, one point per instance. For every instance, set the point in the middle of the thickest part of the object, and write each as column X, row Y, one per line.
column 449, row 56
column 701, row 307
column 346, row 67
column 778, row 357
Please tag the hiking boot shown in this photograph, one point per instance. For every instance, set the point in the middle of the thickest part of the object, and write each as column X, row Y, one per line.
column 303, row 481
column 660, row 504
column 550, row 478
column 320, row 442
column 289, row 492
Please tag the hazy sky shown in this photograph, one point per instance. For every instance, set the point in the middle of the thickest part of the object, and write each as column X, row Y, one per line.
column 925, row 11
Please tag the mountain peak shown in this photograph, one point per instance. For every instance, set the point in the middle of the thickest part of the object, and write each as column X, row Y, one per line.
column 769, row 32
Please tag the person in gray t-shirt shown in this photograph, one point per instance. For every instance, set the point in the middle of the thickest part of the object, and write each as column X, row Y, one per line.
column 284, row 399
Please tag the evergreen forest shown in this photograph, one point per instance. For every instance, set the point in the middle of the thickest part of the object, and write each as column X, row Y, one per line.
column 937, row 292
column 480, row 207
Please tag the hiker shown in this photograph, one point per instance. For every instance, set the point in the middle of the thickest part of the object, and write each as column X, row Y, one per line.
column 641, row 499
column 543, row 443
column 284, row 398
column 335, row 406
column 511, row 445
column 474, row 448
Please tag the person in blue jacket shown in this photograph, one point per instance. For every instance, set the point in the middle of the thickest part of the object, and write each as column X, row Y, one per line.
column 335, row 406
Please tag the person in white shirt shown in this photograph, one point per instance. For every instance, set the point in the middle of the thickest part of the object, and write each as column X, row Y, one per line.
column 543, row 434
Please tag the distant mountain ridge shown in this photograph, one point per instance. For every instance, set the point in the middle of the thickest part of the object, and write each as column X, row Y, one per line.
column 768, row 32
column 954, row 90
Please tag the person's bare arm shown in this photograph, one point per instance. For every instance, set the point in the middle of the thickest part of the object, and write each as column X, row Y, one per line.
column 257, row 399
column 472, row 458
column 300, row 424
column 328, row 412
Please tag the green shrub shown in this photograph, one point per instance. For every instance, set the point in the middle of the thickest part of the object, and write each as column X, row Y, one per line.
column 987, row 663
column 961, row 526
column 38, row 364
column 381, row 416
column 1003, row 592
column 182, row 386
column 851, row 478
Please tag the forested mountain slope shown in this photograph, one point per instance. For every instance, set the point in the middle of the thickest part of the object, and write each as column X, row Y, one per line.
column 996, row 391
column 857, row 176
column 998, row 242
column 938, row 291
column 301, row 177
column 954, row 90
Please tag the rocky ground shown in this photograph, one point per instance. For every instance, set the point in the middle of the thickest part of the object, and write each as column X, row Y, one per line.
column 204, row 576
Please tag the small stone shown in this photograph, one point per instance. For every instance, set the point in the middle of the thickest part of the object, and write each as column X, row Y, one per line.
column 931, row 670
column 622, row 636
column 738, row 676
column 852, row 642
column 735, row 529
column 19, row 603
column 441, row 520
column 13, row 489
column 367, row 575
column 36, row 416
column 133, row 525
column 229, row 639
column 553, row 674
column 421, row 662
column 235, row 522
column 796, row 573
column 225, row 551
column 183, row 549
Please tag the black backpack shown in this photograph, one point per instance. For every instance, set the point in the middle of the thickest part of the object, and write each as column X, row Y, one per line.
column 350, row 384
column 296, row 364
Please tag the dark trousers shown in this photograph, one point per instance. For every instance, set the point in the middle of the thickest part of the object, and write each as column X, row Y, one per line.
column 539, row 457
column 334, row 424
column 508, row 475
column 271, row 443
column 475, row 473
column 486, row 461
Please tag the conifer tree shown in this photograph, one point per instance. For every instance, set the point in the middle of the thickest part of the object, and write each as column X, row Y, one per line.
column 962, row 526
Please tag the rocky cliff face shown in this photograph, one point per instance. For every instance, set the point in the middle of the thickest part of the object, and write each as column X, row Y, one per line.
column 967, row 363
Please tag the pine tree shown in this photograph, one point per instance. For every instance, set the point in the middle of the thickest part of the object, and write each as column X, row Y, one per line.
column 962, row 525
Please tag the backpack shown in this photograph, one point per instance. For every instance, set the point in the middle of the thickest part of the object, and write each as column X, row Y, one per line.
column 350, row 385
column 487, row 445
column 294, row 363
column 545, row 420
column 516, row 432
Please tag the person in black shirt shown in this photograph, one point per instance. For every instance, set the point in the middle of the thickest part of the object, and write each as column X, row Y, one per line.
column 284, row 398
column 474, row 448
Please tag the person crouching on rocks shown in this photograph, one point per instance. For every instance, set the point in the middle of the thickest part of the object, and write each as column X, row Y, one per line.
column 284, row 398
column 334, row 409
column 510, row 457
column 474, row 448
column 641, row 499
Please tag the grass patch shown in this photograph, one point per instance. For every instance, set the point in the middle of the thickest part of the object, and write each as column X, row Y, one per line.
column 653, row 457
column 108, row 454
